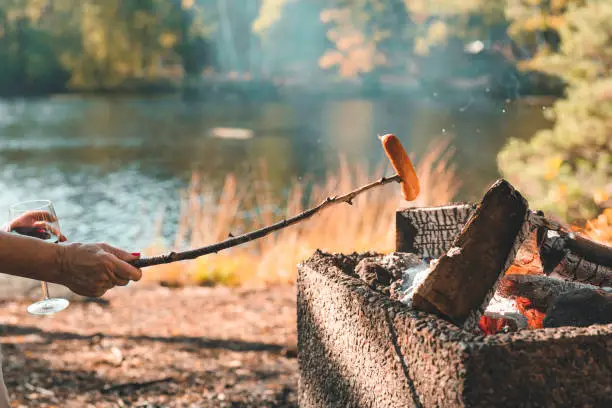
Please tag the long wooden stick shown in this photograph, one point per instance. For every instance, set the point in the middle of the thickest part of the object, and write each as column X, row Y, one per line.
column 262, row 232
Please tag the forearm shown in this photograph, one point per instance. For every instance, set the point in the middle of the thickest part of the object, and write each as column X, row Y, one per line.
column 30, row 257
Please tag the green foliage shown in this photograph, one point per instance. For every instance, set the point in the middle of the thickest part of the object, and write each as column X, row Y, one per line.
column 46, row 46
column 535, row 24
column 568, row 169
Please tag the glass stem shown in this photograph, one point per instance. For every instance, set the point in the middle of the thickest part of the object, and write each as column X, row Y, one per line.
column 45, row 289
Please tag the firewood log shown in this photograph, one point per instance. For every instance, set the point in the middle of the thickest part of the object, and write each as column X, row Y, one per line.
column 430, row 231
column 580, row 308
column 463, row 281
column 577, row 259
column 541, row 290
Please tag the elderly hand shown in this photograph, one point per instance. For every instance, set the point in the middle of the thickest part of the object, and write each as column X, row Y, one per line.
column 92, row 269
column 86, row 269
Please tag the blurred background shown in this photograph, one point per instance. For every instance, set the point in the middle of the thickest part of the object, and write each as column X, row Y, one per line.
column 168, row 124
column 159, row 125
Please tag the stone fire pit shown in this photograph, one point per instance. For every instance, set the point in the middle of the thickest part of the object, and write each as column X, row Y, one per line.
column 359, row 348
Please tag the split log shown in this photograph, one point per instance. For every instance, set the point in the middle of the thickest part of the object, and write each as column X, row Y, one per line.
column 580, row 308
column 541, row 290
column 430, row 232
column 464, row 280
column 576, row 258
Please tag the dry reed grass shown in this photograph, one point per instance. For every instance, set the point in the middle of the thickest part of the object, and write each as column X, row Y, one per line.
column 367, row 225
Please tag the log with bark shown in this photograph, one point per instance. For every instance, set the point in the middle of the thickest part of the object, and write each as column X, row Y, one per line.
column 461, row 284
column 430, row 231
column 576, row 258
column 580, row 308
column 541, row 290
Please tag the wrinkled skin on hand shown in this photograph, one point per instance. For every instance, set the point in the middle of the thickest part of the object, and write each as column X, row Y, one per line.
column 92, row 269
column 86, row 269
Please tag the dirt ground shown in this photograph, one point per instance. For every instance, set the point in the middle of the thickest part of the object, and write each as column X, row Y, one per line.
column 150, row 346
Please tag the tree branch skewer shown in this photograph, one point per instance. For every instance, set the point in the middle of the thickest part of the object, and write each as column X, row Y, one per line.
column 259, row 233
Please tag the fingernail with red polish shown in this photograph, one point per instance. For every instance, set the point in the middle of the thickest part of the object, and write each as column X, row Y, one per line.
column 136, row 253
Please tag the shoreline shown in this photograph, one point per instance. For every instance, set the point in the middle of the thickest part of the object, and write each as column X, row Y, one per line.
column 289, row 88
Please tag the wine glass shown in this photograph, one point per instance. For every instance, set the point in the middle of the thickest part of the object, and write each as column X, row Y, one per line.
column 38, row 219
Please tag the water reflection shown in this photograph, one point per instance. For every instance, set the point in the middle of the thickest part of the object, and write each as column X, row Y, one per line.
column 110, row 164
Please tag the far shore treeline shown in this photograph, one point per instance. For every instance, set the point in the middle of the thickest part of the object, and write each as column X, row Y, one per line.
column 53, row 46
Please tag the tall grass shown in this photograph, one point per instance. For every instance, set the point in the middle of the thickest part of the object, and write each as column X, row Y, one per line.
column 366, row 225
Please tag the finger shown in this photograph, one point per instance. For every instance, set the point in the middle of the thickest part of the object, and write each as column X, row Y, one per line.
column 119, row 253
column 28, row 218
column 126, row 271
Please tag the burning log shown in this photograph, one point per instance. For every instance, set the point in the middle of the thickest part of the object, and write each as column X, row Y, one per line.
column 577, row 258
column 541, row 290
column 463, row 281
column 580, row 308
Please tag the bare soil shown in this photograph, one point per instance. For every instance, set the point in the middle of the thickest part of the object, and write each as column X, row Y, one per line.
column 151, row 346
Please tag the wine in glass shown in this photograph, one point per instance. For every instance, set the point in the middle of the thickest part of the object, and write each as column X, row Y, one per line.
column 38, row 219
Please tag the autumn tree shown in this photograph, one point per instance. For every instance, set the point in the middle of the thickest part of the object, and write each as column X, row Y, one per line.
column 437, row 21
column 534, row 25
column 568, row 169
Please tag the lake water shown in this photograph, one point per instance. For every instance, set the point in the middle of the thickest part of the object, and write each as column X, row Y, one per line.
column 112, row 164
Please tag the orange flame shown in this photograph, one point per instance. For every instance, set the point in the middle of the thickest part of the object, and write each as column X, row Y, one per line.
column 527, row 260
column 600, row 228
column 535, row 318
column 491, row 325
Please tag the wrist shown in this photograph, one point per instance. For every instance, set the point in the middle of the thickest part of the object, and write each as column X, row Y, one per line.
column 61, row 263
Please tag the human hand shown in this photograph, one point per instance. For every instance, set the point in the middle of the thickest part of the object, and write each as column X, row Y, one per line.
column 92, row 269
column 36, row 219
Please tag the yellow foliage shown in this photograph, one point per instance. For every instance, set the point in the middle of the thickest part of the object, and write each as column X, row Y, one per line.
column 600, row 196
column 168, row 40
column 552, row 167
column 437, row 31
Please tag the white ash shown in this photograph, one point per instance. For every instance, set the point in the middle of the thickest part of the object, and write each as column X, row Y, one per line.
column 411, row 279
column 501, row 307
column 390, row 261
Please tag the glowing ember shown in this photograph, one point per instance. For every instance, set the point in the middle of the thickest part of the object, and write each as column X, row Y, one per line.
column 527, row 260
column 535, row 319
column 492, row 325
